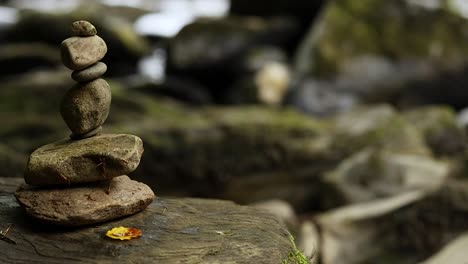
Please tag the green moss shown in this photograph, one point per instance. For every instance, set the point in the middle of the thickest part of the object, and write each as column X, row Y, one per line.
column 393, row 29
column 439, row 126
column 295, row 256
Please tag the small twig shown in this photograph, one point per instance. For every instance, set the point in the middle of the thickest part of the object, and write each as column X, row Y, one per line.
column 3, row 235
column 102, row 166
column 64, row 178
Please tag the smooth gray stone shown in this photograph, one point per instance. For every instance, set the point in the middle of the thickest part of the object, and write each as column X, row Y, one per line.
column 80, row 52
column 91, row 159
column 91, row 73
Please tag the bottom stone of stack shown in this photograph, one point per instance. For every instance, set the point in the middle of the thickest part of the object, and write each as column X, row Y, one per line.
column 85, row 204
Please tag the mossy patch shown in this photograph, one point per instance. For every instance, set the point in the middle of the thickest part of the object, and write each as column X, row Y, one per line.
column 295, row 255
column 393, row 29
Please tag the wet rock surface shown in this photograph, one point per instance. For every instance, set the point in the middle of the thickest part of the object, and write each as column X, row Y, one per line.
column 174, row 231
column 85, row 204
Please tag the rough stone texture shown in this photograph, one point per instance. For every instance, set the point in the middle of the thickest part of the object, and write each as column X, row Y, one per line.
column 174, row 231
column 371, row 174
column 81, row 52
column 86, row 106
column 406, row 228
column 92, row 72
column 91, row 159
column 85, row 204
column 83, row 28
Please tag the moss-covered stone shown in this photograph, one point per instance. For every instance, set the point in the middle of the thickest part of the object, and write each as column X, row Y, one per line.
column 91, row 159
column 440, row 129
column 246, row 154
column 397, row 29
column 295, row 256
column 406, row 228
column 381, row 126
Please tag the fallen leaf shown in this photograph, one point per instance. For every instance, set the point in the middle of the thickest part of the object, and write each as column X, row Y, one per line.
column 123, row 233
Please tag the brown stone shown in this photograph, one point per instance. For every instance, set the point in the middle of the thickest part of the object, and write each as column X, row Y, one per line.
column 77, row 161
column 83, row 28
column 86, row 106
column 81, row 52
column 91, row 73
column 86, row 204
column 175, row 230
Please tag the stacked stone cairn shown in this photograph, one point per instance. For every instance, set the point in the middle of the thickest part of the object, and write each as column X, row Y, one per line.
column 82, row 180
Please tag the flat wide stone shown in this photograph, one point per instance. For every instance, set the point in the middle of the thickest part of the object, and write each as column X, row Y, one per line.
column 88, row 204
column 77, row 161
column 175, row 230
column 81, row 52
column 91, row 73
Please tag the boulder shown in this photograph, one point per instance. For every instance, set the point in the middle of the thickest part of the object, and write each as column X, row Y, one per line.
column 208, row 43
column 238, row 153
column 215, row 52
column 414, row 54
column 405, row 228
column 372, row 174
column 440, row 128
column 173, row 231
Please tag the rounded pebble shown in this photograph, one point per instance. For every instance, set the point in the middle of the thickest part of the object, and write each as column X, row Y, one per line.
column 81, row 52
column 86, row 106
column 83, row 28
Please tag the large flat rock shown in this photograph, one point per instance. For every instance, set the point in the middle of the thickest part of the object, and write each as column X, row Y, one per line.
column 174, row 231
column 85, row 204
column 87, row 160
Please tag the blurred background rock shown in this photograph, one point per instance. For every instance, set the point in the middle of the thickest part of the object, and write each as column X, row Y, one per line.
column 339, row 116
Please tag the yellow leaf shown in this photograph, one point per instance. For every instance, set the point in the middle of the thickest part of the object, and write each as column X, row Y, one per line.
column 123, row 233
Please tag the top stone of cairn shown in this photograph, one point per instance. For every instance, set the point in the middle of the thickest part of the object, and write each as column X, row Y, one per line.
column 83, row 28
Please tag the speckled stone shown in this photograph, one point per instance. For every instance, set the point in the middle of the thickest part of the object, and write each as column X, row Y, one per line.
column 86, row 204
column 86, row 106
column 83, row 28
column 91, row 73
column 81, row 52
column 78, row 161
